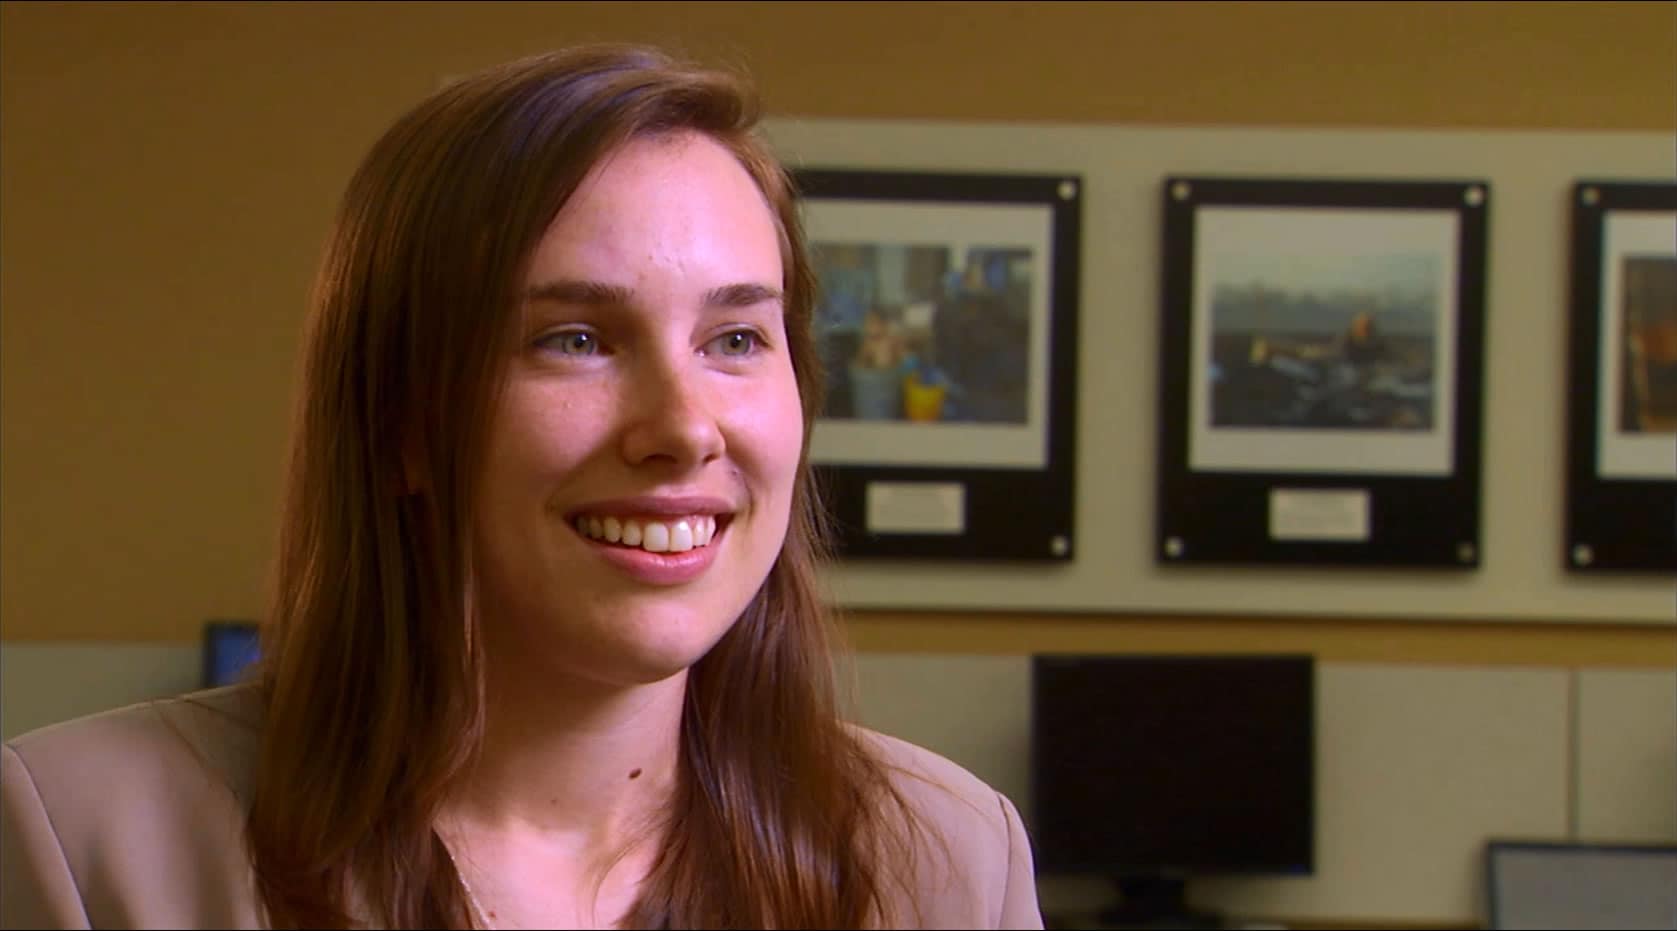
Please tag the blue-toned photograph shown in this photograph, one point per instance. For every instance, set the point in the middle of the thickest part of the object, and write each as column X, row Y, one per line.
column 929, row 333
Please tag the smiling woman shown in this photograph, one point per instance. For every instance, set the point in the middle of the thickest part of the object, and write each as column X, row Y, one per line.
column 642, row 397
column 546, row 647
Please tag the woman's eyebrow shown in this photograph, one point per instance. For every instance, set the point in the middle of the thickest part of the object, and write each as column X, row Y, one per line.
column 599, row 294
column 573, row 291
column 743, row 295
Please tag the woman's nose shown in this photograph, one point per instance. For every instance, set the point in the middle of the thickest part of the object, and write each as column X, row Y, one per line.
column 670, row 416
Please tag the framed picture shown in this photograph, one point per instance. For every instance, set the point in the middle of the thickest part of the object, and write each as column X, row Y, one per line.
column 1622, row 397
column 1320, row 378
column 947, row 322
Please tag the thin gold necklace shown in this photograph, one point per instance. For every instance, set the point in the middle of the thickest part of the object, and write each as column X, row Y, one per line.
column 479, row 914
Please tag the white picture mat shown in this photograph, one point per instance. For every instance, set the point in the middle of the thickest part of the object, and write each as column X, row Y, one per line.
column 1226, row 234
column 958, row 227
column 1621, row 454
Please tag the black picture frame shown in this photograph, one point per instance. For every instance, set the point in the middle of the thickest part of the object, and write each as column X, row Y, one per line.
column 1621, row 479
column 1290, row 433
column 972, row 281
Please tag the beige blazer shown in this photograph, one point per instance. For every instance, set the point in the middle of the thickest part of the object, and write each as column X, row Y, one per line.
column 134, row 818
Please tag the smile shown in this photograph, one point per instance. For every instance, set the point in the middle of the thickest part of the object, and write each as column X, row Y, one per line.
column 653, row 536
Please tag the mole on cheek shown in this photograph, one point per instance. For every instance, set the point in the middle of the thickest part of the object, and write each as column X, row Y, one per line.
column 635, row 773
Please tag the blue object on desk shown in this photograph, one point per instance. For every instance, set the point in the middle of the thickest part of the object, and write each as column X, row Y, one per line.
column 229, row 649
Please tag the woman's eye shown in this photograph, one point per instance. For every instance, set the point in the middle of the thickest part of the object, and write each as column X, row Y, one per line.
column 736, row 343
column 572, row 343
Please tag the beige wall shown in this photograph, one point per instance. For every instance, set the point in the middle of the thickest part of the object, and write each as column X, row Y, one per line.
column 168, row 171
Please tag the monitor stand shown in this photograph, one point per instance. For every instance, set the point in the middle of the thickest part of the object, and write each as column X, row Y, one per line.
column 1155, row 902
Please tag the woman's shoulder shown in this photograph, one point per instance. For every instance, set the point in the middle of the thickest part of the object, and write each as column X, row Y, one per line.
column 936, row 785
column 131, row 817
column 973, row 863
column 205, row 738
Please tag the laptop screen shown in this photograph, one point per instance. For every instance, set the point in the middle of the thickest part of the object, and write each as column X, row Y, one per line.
column 1581, row 886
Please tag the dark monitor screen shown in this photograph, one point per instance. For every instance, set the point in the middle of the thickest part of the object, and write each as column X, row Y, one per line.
column 1173, row 765
column 229, row 648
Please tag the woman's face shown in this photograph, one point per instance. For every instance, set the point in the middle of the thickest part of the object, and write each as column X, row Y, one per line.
column 642, row 455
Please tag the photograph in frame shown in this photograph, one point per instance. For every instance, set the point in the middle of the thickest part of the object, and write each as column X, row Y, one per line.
column 1637, row 423
column 945, row 319
column 1321, row 346
column 931, row 315
column 1323, row 337
column 1622, row 418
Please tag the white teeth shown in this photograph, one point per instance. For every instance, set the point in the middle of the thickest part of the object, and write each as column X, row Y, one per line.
column 655, row 537
column 681, row 537
column 652, row 536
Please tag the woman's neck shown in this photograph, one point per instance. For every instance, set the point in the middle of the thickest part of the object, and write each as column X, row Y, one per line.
column 573, row 764
column 558, row 820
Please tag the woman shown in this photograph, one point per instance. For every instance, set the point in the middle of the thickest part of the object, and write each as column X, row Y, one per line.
column 547, row 648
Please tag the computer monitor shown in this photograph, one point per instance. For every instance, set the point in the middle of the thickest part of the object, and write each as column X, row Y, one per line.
column 1152, row 769
column 1583, row 886
column 229, row 649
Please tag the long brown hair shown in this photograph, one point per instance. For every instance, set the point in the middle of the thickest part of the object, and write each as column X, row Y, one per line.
column 372, row 680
